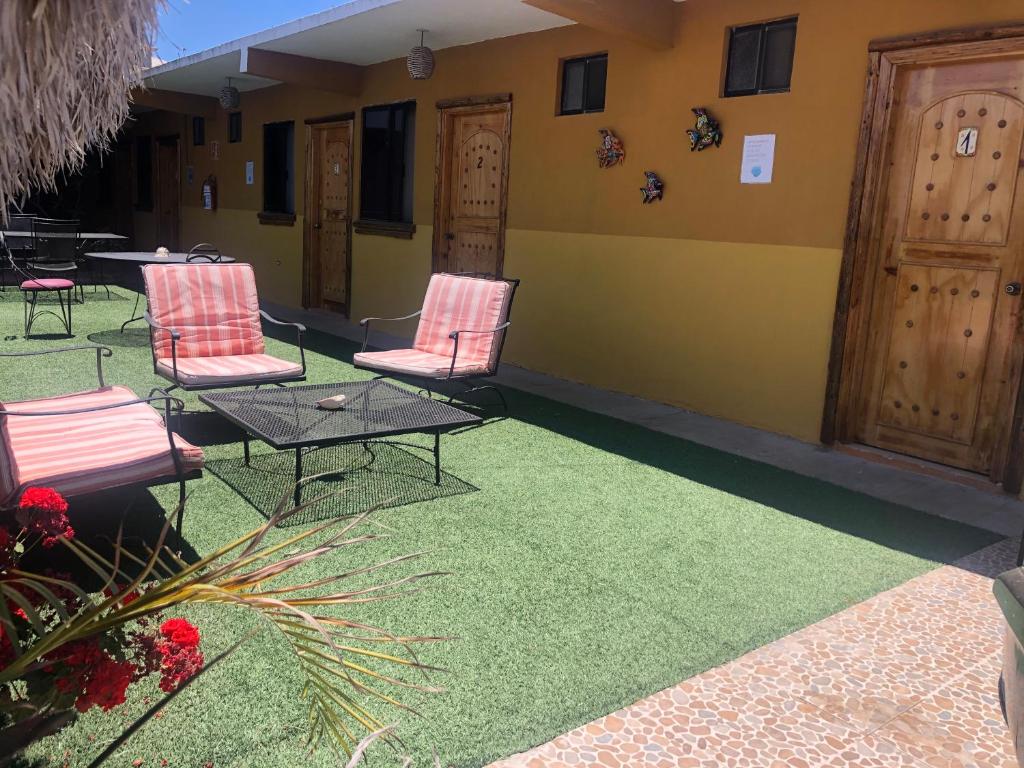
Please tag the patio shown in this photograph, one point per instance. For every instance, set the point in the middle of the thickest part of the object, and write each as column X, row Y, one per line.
column 594, row 563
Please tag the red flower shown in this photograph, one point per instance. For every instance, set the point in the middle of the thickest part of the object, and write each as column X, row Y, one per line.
column 7, row 543
column 94, row 676
column 181, row 658
column 180, row 632
column 45, row 499
column 44, row 511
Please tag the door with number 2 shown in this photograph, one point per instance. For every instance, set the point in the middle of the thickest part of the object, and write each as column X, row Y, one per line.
column 469, row 227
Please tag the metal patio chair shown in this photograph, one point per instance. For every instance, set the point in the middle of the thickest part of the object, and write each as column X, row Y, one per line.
column 205, row 328
column 86, row 442
column 203, row 252
column 32, row 287
column 459, row 338
column 55, row 250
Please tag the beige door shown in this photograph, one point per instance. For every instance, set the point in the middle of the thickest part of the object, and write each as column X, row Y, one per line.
column 167, row 192
column 328, row 217
column 469, row 231
column 944, row 342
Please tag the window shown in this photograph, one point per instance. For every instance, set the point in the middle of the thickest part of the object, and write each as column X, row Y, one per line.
column 234, row 127
column 760, row 58
column 583, row 82
column 198, row 131
column 385, row 192
column 278, row 161
column 144, row 173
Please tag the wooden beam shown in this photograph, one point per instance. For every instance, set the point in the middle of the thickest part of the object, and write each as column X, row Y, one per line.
column 648, row 22
column 322, row 74
column 172, row 101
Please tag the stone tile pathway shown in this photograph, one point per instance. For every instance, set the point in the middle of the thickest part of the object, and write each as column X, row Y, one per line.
column 906, row 678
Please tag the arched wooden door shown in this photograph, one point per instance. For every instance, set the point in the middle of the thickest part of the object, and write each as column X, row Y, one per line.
column 472, row 187
column 942, row 352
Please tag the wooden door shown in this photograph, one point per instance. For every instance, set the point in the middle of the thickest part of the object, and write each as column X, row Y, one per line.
column 167, row 192
column 328, row 215
column 943, row 348
column 472, row 188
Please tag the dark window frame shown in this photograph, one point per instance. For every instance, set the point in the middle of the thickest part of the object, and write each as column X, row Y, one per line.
column 234, row 127
column 279, row 200
column 198, row 131
column 763, row 29
column 397, row 208
column 587, row 62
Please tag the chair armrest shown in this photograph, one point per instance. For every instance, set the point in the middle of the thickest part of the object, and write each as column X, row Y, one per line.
column 101, row 352
column 365, row 323
column 168, row 400
column 299, row 330
column 175, row 335
column 275, row 321
column 455, row 334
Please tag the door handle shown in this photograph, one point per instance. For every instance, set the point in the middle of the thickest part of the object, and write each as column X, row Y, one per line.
column 1013, row 289
column 449, row 235
column 316, row 226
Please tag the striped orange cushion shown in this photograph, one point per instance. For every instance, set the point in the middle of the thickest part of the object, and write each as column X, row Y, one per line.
column 213, row 306
column 86, row 452
column 415, row 362
column 456, row 303
column 228, row 369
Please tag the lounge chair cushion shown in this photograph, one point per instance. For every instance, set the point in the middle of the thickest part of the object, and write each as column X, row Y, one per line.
column 455, row 303
column 47, row 284
column 415, row 362
column 86, row 452
column 228, row 369
column 214, row 307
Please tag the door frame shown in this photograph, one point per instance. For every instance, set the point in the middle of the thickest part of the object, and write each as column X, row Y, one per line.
column 886, row 58
column 310, row 186
column 167, row 140
column 446, row 109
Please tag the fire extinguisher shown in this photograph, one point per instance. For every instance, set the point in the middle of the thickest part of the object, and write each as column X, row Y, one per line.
column 210, row 193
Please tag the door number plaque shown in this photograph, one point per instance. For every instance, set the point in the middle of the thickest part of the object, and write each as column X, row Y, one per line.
column 967, row 142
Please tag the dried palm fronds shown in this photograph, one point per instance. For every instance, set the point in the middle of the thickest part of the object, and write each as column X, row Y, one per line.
column 66, row 70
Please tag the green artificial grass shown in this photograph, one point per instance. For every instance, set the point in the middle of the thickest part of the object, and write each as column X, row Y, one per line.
column 592, row 563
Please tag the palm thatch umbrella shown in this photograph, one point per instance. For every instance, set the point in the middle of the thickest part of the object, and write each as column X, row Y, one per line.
column 66, row 71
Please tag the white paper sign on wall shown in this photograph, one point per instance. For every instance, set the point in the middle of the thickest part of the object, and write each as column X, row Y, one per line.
column 967, row 142
column 250, row 171
column 758, row 159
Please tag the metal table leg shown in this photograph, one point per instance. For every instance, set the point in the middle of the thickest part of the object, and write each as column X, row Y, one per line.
column 297, row 498
column 437, row 457
column 245, row 446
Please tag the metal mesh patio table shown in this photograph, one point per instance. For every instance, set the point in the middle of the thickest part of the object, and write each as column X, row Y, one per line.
column 288, row 418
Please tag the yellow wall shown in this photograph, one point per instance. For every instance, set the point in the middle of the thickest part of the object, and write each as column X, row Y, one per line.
column 719, row 298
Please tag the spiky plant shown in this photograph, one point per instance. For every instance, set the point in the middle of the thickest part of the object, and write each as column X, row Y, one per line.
column 342, row 660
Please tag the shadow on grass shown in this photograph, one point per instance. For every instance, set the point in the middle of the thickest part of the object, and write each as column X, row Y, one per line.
column 132, row 337
column 850, row 512
column 96, row 519
column 355, row 478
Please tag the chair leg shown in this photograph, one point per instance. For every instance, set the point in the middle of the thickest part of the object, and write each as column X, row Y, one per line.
column 29, row 307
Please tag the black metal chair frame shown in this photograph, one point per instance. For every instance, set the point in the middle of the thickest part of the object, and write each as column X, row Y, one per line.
column 16, row 222
column 469, row 381
column 170, row 404
column 72, row 265
column 177, row 383
column 203, row 252
column 30, row 305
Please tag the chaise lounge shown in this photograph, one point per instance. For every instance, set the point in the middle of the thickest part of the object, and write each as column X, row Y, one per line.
column 92, row 441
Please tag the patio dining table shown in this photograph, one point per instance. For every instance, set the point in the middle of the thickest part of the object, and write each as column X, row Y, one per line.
column 148, row 257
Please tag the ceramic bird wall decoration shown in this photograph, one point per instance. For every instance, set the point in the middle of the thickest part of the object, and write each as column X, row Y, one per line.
column 611, row 152
column 706, row 132
column 653, row 189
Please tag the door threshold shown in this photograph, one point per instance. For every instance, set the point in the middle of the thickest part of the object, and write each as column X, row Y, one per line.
column 921, row 466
